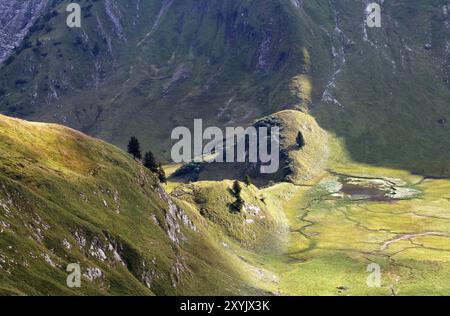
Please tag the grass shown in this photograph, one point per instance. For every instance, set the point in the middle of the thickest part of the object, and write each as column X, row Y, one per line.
column 290, row 239
column 326, row 242
column 61, row 187
column 332, row 241
column 309, row 162
column 392, row 91
column 199, row 65
column 57, row 182
column 186, row 69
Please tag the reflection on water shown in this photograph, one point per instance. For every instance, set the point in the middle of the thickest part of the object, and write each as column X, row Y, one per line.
column 359, row 192
column 366, row 188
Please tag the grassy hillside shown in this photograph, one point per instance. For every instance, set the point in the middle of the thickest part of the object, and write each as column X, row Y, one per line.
column 141, row 64
column 390, row 89
column 342, row 220
column 67, row 198
column 372, row 105
column 143, row 68
column 297, row 165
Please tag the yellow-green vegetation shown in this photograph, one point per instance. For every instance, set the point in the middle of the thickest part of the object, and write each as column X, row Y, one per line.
column 134, row 68
column 68, row 198
column 344, row 236
column 338, row 219
column 301, row 87
column 256, row 226
column 326, row 241
column 374, row 109
column 310, row 161
column 297, row 165
column 333, row 238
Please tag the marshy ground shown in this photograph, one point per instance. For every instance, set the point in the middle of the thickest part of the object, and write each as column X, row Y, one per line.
column 341, row 218
column 347, row 221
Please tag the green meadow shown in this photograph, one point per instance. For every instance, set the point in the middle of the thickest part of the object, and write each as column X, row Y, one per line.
column 334, row 223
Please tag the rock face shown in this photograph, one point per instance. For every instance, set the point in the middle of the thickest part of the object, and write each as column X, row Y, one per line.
column 16, row 18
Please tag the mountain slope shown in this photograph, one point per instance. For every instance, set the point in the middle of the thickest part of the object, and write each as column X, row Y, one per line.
column 67, row 198
column 297, row 165
column 391, row 89
column 139, row 64
column 144, row 67
column 372, row 105
column 16, row 18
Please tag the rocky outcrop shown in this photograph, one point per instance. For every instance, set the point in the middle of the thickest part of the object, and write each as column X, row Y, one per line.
column 16, row 18
column 174, row 215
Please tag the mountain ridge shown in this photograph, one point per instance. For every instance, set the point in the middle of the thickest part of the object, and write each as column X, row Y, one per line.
column 368, row 187
column 235, row 62
column 66, row 198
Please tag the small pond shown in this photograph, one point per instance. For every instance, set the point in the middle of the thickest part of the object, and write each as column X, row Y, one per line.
column 370, row 189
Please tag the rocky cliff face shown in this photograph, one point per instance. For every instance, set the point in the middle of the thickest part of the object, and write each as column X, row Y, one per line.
column 16, row 18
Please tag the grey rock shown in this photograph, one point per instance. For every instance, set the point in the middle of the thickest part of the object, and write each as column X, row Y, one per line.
column 16, row 18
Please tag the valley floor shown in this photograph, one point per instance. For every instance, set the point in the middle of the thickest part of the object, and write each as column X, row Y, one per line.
column 336, row 236
column 342, row 234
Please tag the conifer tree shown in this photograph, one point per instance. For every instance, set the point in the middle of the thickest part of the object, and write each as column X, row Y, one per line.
column 247, row 180
column 150, row 162
column 237, row 189
column 300, row 140
column 161, row 174
column 134, row 148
